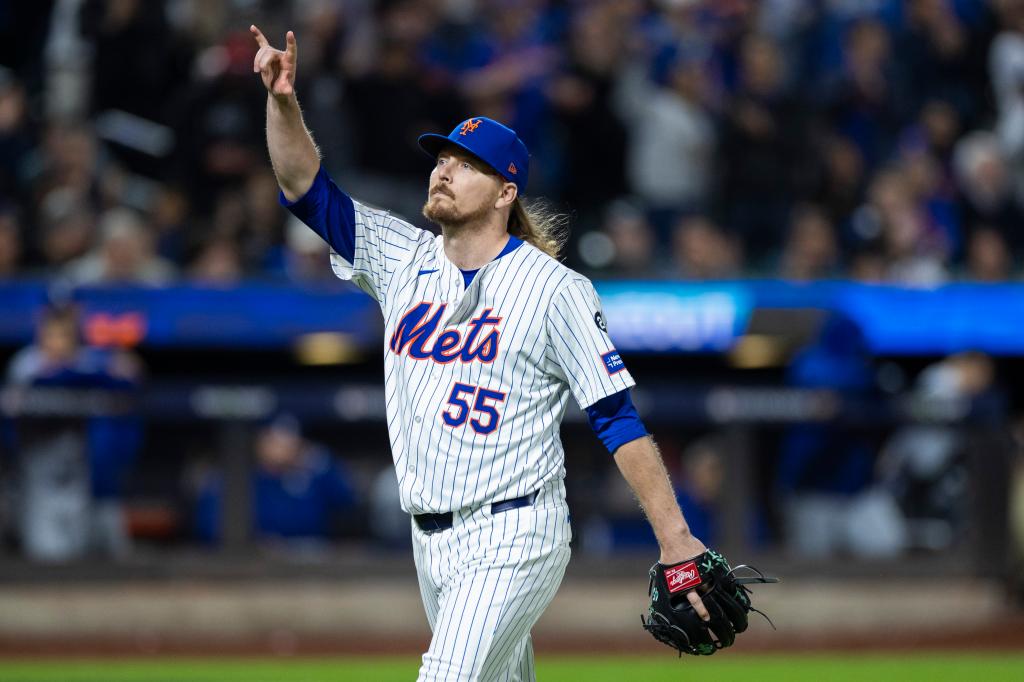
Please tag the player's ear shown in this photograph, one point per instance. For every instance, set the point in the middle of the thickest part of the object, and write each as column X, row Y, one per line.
column 507, row 195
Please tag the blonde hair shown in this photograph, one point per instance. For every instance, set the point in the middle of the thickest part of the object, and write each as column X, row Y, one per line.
column 539, row 224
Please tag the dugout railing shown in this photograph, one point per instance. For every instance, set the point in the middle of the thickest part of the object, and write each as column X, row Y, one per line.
column 740, row 415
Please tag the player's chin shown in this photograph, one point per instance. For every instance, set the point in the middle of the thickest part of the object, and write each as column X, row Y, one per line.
column 440, row 209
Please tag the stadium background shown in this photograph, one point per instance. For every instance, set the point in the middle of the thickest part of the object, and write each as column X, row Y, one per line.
column 803, row 217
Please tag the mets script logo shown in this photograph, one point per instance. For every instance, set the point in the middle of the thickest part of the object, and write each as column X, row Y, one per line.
column 682, row 577
column 416, row 330
column 469, row 126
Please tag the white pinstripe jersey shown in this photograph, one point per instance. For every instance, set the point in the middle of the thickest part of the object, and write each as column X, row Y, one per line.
column 477, row 379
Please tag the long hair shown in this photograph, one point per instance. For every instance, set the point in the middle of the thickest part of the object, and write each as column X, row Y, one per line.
column 537, row 223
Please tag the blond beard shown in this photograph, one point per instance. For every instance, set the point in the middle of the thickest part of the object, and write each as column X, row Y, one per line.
column 449, row 217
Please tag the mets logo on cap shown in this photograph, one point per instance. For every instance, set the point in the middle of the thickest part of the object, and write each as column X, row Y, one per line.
column 495, row 144
column 469, row 126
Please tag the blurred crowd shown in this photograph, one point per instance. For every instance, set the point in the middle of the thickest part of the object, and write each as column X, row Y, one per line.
column 90, row 474
column 879, row 140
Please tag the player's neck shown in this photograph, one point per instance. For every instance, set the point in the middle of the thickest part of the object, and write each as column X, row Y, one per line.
column 472, row 246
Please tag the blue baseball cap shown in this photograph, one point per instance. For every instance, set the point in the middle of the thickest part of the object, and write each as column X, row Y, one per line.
column 493, row 143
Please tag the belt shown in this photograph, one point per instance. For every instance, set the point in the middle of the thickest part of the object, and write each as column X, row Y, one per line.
column 432, row 523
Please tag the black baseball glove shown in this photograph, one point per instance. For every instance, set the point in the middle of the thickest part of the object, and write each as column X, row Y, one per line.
column 673, row 620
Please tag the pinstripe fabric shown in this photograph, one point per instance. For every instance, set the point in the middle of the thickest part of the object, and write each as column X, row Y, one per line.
column 477, row 380
column 548, row 345
column 484, row 584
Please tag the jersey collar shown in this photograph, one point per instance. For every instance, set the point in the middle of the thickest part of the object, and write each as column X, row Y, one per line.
column 511, row 245
column 471, row 293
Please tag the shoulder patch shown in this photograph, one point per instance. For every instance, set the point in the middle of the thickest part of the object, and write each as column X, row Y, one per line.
column 599, row 321
column 613, row 362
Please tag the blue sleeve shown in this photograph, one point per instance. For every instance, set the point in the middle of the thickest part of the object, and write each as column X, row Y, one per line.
column 615, row 420
column 330, row 213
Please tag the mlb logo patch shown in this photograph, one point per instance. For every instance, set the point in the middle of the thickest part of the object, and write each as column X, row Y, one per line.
column 612, row 362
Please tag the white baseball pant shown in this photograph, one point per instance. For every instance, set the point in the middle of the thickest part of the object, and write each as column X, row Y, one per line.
column 485, row 582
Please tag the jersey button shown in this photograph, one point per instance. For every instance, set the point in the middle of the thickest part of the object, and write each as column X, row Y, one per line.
column 418, row 419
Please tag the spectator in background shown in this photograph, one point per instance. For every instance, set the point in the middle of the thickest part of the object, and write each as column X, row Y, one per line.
column 701, row 250
column 633, row 242
column 811, row 251
column 170, row 220
column 684, row 103
column 390, row 100
column 866, row 101
column 298, row 489
column 15, row 135
column 986, row 187
column 1006, row 69
column 699, row 490
column 72, row 472
column 842, row 181
column 941, row 56
column 930, row 189
column 218, row 263
column 10, row 243
column 686, row 23
column 507, row 80
column 988, row 256
column 336, row 36
column 922, row 465
column 68, row 165
column 700, row 485
column 926, row 152
column 125, row 254
column 229, row 214
column 868, row 265
column 825, row 473
column 581, row 96
column 672, row 138
column 136, row 61
column 224, row 141
column 766, row 164
column 263, row 233
column 894, row 225
column 67, row 229
column 305, row 254
column 698, row 482
column 939, row 126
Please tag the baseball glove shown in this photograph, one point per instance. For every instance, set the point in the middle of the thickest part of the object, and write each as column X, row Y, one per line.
column 673, row 620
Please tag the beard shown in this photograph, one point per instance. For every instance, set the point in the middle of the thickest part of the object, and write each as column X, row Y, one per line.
column 448, row 214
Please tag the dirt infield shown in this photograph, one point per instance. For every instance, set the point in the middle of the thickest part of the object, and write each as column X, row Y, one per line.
column 382, row 617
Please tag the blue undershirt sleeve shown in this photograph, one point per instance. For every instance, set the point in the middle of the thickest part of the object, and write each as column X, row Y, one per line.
column 329, row 212
column 615, row 420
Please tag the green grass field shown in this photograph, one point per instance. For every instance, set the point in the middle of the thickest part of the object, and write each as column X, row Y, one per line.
column 811, row 667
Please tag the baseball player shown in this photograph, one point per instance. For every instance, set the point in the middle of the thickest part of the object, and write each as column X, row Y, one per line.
column 486, row 336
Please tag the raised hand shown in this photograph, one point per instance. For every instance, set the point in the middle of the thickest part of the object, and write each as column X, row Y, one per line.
column 276, row 67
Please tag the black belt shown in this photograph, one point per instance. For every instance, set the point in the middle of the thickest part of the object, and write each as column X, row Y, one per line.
column 432, row 523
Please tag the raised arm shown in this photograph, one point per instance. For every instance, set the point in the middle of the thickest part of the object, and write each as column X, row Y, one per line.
column 293, row 153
